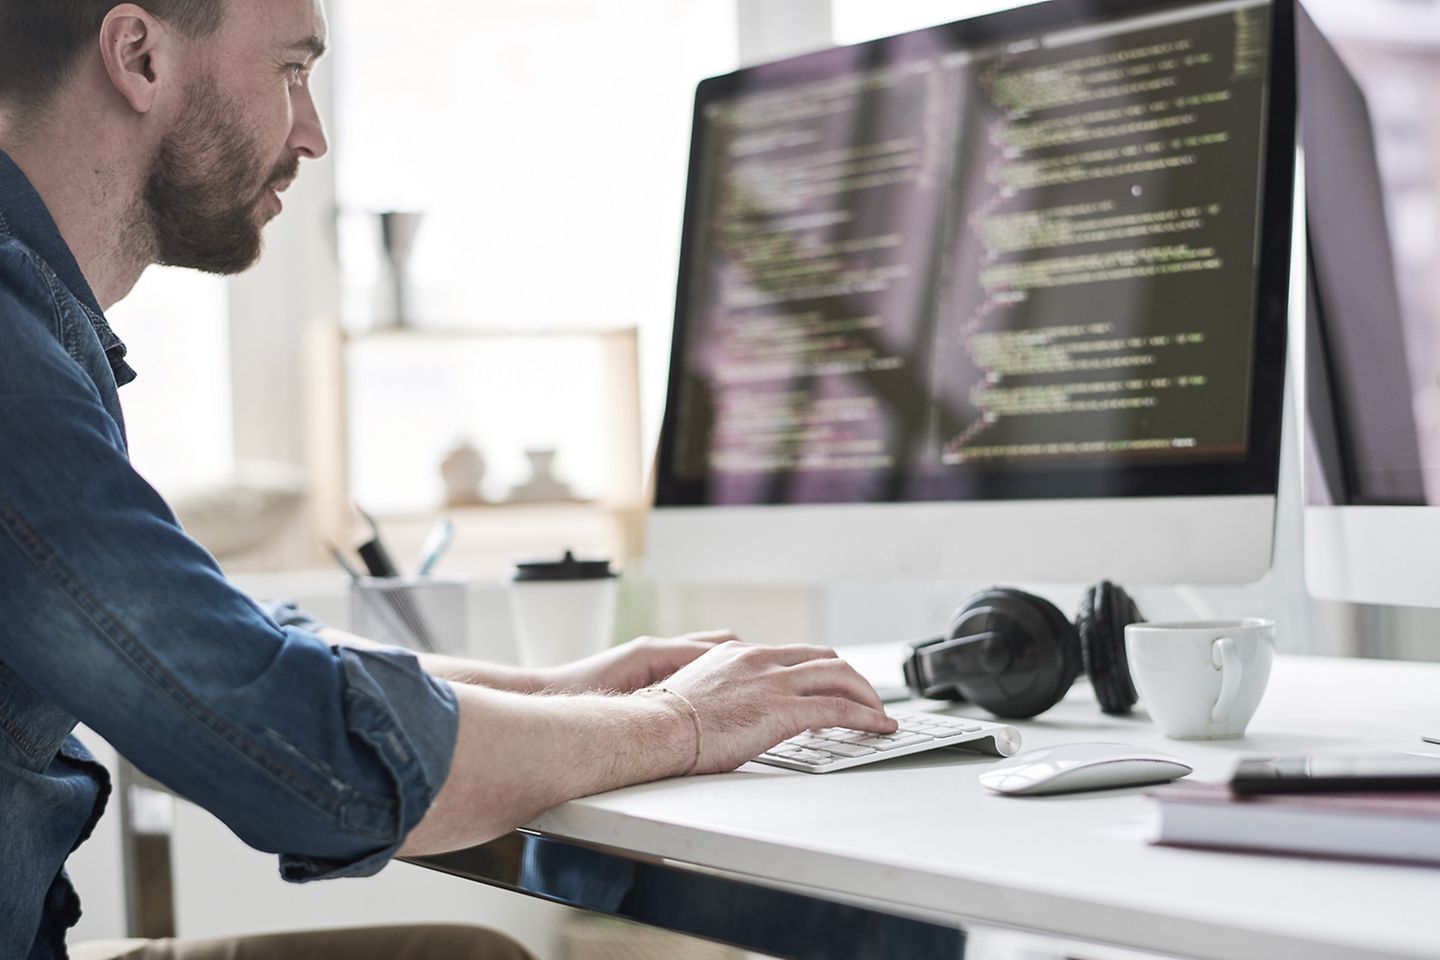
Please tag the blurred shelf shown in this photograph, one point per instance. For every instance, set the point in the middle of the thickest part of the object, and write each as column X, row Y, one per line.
column 491, row 538
column 407, row 395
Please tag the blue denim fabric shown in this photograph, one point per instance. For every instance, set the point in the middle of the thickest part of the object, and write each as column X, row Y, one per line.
column 110, row 615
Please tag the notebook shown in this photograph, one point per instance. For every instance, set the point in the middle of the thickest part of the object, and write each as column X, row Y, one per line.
column 1395, row 827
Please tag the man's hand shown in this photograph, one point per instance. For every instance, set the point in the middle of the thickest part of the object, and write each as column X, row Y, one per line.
column 630, row 666
column 750, row 698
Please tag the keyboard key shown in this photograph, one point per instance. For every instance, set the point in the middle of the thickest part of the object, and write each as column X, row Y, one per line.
column 905, row 731
column 848, row 749
column 849, row 736
column 811, row 760
column 896, row 744
column 808, row 756
column 929, row 730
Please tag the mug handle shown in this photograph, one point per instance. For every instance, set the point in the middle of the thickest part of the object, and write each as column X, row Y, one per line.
column 1226, row 658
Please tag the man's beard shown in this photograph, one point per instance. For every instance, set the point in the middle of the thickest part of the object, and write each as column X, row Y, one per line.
column 202, row 198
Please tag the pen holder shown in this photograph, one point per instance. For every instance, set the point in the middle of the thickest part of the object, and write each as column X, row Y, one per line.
column 423, row 613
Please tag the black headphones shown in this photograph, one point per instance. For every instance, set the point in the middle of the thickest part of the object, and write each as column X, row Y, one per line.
column 1015, row 654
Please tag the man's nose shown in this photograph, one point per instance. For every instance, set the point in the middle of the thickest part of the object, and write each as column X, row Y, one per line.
column 307, row 136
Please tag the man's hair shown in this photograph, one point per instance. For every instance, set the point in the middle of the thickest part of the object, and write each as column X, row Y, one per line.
column 41, row 41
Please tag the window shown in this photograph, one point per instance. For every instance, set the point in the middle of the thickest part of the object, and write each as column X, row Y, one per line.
column 177, row 411
column 546, row 145
column 857, row 20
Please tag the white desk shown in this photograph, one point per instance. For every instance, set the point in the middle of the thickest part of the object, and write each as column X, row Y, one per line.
column 918, row 837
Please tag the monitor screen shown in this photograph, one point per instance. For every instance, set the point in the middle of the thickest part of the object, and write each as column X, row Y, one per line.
column 1039, row 254
column 1372, row 370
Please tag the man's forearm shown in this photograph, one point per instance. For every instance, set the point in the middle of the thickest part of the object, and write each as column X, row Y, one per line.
column 517, row 756
column 457, row 669
column 477, row 672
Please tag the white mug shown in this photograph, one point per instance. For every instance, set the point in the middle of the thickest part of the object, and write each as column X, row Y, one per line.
column 1201, row 680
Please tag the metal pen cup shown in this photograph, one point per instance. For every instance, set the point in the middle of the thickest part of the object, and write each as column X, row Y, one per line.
column 423, row 613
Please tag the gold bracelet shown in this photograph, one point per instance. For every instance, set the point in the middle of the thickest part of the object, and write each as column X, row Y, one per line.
column 694, row 719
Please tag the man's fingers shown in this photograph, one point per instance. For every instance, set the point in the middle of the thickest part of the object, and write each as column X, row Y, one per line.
column 835, row 677
column 681, row 650
column 798, row 653
column 709, row 638
column 840, row 712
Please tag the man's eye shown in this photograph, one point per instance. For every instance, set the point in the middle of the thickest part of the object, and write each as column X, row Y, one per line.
column 295, row 72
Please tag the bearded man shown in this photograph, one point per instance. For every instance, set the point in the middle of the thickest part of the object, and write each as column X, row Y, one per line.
column 166, row 132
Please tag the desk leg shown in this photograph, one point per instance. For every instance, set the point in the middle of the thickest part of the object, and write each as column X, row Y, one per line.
column 146, row 817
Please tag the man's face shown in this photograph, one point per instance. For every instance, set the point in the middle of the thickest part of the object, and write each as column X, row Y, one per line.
column 217, row 173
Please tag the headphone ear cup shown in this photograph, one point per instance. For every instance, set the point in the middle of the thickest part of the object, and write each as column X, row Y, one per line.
column 1105, row 611
column 1067, row 643
column 1026, row 653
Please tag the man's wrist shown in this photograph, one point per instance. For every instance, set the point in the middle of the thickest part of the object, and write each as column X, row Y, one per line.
column 694, row 717
column 671, row 731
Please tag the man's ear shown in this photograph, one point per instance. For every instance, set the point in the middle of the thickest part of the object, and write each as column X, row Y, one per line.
column 132, row 44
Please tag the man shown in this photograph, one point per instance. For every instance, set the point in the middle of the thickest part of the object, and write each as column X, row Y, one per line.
column 165, row 132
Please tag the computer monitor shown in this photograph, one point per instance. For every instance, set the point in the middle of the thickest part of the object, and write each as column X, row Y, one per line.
column 1002, row 299
column 1371, row 381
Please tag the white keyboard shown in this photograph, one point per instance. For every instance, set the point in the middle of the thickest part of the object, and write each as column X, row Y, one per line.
column 838, row 748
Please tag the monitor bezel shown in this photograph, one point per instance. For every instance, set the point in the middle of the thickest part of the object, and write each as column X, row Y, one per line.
column 1256, row 474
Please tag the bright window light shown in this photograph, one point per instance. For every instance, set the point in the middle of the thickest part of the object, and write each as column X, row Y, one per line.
column 857, row 20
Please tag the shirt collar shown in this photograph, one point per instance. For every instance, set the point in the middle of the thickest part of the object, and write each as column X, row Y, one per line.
column 24, row 215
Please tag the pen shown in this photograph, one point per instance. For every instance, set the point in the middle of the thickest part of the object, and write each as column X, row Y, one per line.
column 344, row 564
column 435, row 544
column 376, row 557
column 377, row 561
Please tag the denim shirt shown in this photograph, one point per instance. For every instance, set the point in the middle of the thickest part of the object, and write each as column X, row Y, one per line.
column 111, row 616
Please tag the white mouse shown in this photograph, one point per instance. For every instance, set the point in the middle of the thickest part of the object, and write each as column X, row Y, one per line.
column 1082, row 766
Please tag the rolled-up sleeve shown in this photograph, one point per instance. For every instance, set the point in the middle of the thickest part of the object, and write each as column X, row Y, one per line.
column 326, row 756
column 389, row 703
